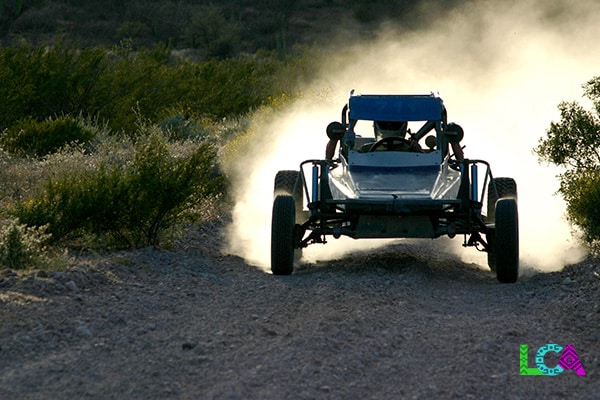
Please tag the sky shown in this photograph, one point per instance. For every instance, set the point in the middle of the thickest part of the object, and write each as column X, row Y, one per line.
column 501, row 68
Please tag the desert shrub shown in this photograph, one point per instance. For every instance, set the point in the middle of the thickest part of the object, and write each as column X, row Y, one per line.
column 130, row 202
column 163, row 18
column 16, row 89
column 133, row 29
column 363, row 13
column 134, row 84
column 118, row 85
column 13, row 8
column 572, row 143
column 180, row 126
column 210, row 31
column 234, row 87
column 21, row 177
column 33, row 138
column 150, row 82
column 18, row 177
column 38, row 20
column 42, row 82
column 581, row 192
column 22, row 246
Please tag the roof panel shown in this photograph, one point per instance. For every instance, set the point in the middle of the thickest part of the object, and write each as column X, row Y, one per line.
column 396, row 108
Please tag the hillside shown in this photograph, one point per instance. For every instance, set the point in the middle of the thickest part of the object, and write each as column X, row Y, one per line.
column 222, row 29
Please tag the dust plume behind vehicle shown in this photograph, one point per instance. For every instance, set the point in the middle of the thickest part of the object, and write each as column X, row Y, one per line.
column 502, row 69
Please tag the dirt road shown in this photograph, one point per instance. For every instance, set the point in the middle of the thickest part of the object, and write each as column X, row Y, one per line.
column 193, row 323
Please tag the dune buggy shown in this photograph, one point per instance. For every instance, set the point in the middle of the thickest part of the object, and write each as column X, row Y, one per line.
column 395, row 187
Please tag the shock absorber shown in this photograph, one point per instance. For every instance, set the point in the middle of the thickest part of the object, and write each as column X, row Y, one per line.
column 315, row 186
column 474, row 184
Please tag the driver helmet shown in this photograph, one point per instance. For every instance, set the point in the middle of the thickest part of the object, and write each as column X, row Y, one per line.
column 385, row 129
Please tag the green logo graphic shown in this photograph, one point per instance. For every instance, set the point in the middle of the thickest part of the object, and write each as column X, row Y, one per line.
column 569, row 359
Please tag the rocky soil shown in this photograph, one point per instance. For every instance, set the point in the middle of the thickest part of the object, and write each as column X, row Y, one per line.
column 193, row 323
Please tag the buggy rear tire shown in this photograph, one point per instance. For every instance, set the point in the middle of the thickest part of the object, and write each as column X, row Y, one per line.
column 506, row 240
column 282, row 235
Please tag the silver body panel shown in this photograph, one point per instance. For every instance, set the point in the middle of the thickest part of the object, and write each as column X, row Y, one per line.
column 394, row 178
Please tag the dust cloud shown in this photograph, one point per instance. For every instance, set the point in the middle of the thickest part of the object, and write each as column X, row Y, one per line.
column 501, row 67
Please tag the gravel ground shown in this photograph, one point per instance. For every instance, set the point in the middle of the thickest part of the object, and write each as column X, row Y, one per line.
column 193, row 323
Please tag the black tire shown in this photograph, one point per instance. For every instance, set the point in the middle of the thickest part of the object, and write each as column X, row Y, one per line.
column 507, row 240
column 499, row 188
column 282, row 235
column 289, row 183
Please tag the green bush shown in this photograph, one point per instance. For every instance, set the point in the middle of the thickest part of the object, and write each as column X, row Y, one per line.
column 572, row 143
column 132, row 202
column 10, row 10
column 180, row 127
column 43, row 82
column 210, row 31
column 21, row 246
column 119, row 85
column 582, row 195
column 133, row 29
column 32, row 138
column 135, row 85
column 150, row 83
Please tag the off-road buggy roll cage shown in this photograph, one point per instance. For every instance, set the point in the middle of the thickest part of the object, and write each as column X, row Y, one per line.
column 373, row 194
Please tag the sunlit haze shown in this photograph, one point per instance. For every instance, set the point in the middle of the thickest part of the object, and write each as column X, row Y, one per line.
column 501, row 68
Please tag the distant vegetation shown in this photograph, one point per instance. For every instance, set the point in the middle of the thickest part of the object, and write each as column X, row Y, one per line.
column 117, row 148
column 109, row 136
column 208, row 29
column 116, row 84
column 115, row 114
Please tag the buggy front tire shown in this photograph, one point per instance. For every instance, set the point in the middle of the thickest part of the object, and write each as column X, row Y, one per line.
column 499, row 188
column 282, row 235
column 290, row 183
column 506, row 240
